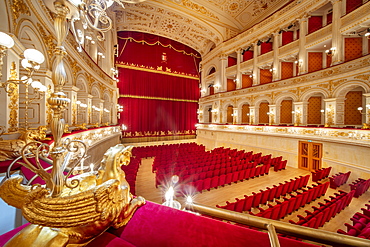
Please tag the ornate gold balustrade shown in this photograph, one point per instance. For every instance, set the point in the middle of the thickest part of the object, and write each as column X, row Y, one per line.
column 267, row 57
column 231, row 70
column 350, row 136
column 246, row 65
column 356, row 17
column 289, row 49
column 319, row 36
column 94, row 136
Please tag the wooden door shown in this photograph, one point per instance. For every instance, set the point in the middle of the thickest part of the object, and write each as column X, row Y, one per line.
column 310, row 154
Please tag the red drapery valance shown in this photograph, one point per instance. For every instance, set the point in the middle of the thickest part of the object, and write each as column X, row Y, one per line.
column 149, row 50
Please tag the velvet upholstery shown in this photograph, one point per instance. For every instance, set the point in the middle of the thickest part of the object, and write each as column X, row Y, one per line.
column 157, row 225
column 154, row 225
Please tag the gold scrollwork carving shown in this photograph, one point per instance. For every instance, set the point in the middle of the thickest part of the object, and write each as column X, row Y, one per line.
column 19, row 7
column 13, row 104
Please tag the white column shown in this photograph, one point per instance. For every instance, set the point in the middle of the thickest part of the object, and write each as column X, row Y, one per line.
column 252, row 114
column 235, row 115
column 366, row 118
column 89, row 109
column 337, row 39
column 276, row 68
column 300, row 113
column 302, row 54
column 238, row 72
column 256, row 73
column 221, row 84
column 330, row 112
column 272, row 115
column 216, row 113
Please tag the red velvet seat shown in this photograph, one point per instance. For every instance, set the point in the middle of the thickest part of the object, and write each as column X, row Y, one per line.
column 248, row 203
column 215, row 181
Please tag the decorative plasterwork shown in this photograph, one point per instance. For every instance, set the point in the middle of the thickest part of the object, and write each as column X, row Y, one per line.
column 160, row 21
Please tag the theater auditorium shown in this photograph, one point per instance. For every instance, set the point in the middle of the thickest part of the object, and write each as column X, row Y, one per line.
column 156, row 123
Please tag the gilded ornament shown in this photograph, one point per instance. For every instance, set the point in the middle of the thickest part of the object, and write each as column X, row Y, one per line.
column 11, row 149
column 105, row 195
column 13, row 100
column 19, row 7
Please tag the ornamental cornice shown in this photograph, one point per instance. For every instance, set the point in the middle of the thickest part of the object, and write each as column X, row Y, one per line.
column 281, row 18
column 345, row 136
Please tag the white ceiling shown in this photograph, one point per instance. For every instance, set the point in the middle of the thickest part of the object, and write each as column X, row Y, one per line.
column 200, row 24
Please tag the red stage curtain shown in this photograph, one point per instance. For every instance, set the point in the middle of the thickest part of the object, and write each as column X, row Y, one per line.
column 143, row 83
column 287, row 37
column 247, row 55
column 158, row 84
column 266, row 47
column 314, row 23
column 150, row 52
column 157, row 115
column 231, row 61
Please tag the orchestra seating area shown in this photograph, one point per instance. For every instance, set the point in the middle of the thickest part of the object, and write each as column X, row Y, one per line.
column 338, row 179
column 360, row 186
column 360, row 224
column 320, row 174
column 202, row 170
column 326, row 211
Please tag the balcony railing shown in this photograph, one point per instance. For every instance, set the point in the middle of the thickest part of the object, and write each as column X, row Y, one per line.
column 319, row 36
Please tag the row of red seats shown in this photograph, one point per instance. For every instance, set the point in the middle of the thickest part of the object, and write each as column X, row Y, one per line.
column 280, row 166
column 360, row 186
column 326, row 211
column 264, row 196
column 339, row 179
column 320, row 174
column 205, row 171
column 201, row 159
column 276, row 160
column 360, row 224
column 293, row 203
column 234, row 177
column 131, row 173
column 151, row 151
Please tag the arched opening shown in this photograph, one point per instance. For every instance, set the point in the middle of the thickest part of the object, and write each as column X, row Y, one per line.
column 229, row 114
column 354, row 99
column 245, row 114
column 263, row 110
column 314, row 107
column 286, row 109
